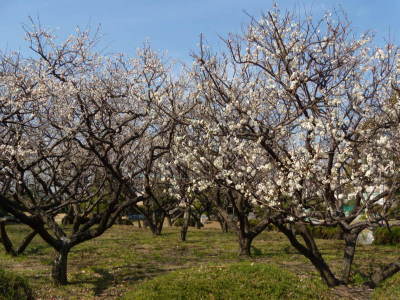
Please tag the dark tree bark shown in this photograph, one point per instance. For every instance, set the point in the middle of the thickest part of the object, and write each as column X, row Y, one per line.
column 310, row 250
column 241, row 226
column 245, row 241
column 60, row 265
column 153, row 217
column 222, row 223
column 197, row 222
column 350, row 239
column 156, row 223
column 185, row 225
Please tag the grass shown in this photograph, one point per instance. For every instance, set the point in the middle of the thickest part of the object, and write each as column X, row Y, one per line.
column 243, row 280
column 390, row 290
column 13, row 287
column 385, row 237
column 125, row 257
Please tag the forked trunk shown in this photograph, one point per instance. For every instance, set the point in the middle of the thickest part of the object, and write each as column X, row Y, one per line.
column 8, row 245
column 156, row 223
column 156, row 229
column 26, row 241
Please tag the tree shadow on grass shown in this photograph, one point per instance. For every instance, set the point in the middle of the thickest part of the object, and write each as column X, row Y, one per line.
column 103, row 281
column 106, row 278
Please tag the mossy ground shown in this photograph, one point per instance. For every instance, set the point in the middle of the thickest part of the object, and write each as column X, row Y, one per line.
column 125, row 257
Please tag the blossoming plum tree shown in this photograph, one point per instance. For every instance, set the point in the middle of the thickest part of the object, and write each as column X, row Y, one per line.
column 296, row 117
column 80, row 131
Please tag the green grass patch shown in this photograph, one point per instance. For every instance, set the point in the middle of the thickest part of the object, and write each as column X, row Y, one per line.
column 385, row 237
column 126, row 257
column 234, row 281
column 13, row 287
column 390, row 289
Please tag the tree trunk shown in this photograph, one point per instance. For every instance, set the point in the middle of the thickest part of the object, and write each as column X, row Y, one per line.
column 156, row 229
column 156, row 223
column 244, row 244
column 223, row 224
column 311, row 252
column 324, row 271
column 314, row 255
column 185, row 225
column 59, row 269
column 198, row 223
column 349, row 250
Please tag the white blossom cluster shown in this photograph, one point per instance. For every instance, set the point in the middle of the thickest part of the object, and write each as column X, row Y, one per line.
column 299, row 119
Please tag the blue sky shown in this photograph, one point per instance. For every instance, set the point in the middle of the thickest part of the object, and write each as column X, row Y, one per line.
column 175, row 25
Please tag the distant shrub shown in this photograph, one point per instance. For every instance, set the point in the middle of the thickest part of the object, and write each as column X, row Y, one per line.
column 271, row 227
column 178, row 222
column 254, row 222
column 236, row 281
column 327, row 233
column 385, row 237
column 14, row 287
